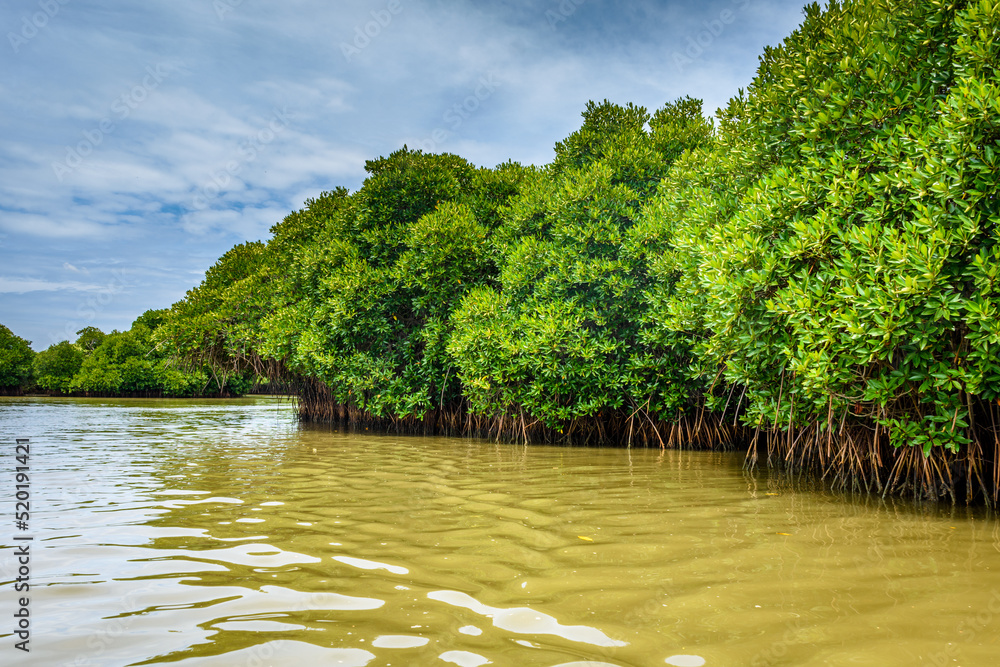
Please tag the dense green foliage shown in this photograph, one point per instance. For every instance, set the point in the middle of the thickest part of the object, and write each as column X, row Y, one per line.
column 55, row 367
column 384, row 272
column 356, row 290
column 128, row 363
column 220, row 317
column 843, row 233
column 123, row 363
column 818, row 266
column 16, row 357
column 560, row 336
column 88, row 338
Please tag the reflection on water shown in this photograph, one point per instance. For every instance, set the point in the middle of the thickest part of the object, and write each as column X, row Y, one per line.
column 524, row 620
column 225, row 533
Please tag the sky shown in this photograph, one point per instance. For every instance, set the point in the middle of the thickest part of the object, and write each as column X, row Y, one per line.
column 141, row 140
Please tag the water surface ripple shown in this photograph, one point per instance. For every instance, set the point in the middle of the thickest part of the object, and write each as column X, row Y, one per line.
column 225, row 533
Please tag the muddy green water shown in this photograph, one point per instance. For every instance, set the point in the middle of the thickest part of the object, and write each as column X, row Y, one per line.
column 225, row 533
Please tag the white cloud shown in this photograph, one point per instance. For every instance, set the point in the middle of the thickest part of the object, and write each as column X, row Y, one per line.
column 50, row 227
column 24, row 285
column 251, row 224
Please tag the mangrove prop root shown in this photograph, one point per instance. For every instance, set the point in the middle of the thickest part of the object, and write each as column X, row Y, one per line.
column 847, row 455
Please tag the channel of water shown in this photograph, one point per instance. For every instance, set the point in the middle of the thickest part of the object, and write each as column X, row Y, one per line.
column 226, row 533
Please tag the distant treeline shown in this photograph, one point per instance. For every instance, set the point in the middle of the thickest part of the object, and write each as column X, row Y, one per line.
column 812, row 274
column 121, row 363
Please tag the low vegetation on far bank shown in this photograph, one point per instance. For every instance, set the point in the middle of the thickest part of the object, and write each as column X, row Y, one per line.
column 121, row 363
